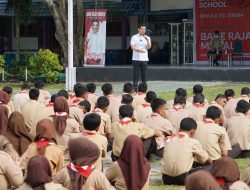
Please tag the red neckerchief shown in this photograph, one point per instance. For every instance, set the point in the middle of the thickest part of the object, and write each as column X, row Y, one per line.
column 96, row 110
column 72, row 96
column 140, row 93
column 220, row 181
column 206, row 121
column 83, row 170
column 125, row 121
column 50, row 105
column 89, row 133
column 168, row 138
column 42, row 143
column 177, row 107
column 76, row 101
column 198, row 105
column 146, row 105
column 74, row 105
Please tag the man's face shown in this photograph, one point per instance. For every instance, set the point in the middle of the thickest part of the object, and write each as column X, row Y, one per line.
column 142, row 30
column 95, row 27
column 222, row 101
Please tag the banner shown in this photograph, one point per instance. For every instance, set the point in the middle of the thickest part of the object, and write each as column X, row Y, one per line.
column 95, row 37
column 230, row 17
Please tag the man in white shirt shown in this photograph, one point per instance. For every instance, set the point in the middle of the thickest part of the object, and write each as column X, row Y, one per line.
column 140, row 43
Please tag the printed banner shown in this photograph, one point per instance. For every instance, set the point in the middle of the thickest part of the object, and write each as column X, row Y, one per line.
column 231, row 18
column 95, row 37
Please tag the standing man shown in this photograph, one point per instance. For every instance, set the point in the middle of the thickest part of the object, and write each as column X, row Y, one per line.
column 140, row 43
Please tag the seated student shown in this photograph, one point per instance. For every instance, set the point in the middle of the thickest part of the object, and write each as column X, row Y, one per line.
column 227, row 174
column 10, row 172
column 127, row 89
column 180, row 152
column 101, row 108
column 178, row 92
column 20, row 98
column 244, row 94
column 178, row 112
column 114, row 102
column 198, row 109
column 229, row 108
column 72, row 95
column 4, row 111
column 7, row 147
column 238, row 129
column 85, row 106
column 140, row 97
column 127, row 99
column 91, row 125
column 131, row 171
column 220, row 102
column 92, row 97
column 213, row 137
column 63, row 93
column 39, row 175
column 125, row 127
column 197, row 89
column 201, row 180
column 10, row 105
column 157, row 121
column 81, row 172
column 145, row 109
column 44, row 95
column 45, row 144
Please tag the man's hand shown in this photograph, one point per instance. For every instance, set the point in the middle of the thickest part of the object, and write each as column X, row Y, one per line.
column 158, row 133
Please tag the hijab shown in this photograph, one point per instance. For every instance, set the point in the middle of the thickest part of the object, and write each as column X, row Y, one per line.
column 135, row 167
column 4, row 97
column 4, row 112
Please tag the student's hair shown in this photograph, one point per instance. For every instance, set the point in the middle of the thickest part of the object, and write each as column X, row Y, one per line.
column 107, row 89
column 80, row 90
column 53, row 98
column 25, row 86
column 216, row 32
column 8, row 89
column 229, row 93
column 181, row 92
column 213, row 113
column 187, row 124
column 34, row 94
column 143, row 87
column 128, row 87
column 242, row 106
column 92, row 121
column 220, row 96
column 197, row 89
column 63, row 93
column 76, row 86
column 157, row 103
column 150, row 96
column 126, row 111
column 86, row 104
column 102, row 102
column 180, row 100
column 245, row 91
column 199, row 98
column 141, row 25
column 91, row 87
column 39, row 84
column 127, row 99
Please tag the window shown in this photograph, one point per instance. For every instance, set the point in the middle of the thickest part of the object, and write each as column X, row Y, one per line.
column 30, row 30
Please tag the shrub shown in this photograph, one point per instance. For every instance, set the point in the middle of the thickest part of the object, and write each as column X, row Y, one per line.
column 2, row 61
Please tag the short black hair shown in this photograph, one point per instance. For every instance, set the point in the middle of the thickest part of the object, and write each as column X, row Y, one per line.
column 197, row 89
column 25, row 86
column 229, row 93
column 213, row 112
column 141, row 25
column 102, row 102
column 53, row 98
column 91, row 87
column 150, row 96
column 8, row 89
column 179, row 100
column 63, row 93
column 39, row 84
column 245, row 91
column 76, row 86
column 92, row 121
column 220, row 96
column 242, row 106
column 181, row 92
column 143, row 87
column 127, row 99
column 128, row 87
column 126, row 111
column 80, row 90
column 157, row 103
column 86, row 104
column 107, row 89
column 34, row 93
column 199, row 98
column 187, row 124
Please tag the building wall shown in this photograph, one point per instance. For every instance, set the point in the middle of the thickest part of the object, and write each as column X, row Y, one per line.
column 158, row 5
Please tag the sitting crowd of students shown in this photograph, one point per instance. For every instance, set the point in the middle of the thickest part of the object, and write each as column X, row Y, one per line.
column 58, row 142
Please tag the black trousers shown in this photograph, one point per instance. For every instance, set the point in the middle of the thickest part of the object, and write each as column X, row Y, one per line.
column 235, row 152
column 177, row 180
column 139, row 67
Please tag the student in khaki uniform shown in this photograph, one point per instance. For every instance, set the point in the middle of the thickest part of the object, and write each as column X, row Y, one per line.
column 114, row 102
column 44, row 95
column 127, row 89
column 178, row 112
column 91, row 124
column 213, row 137
column 157, row 121
column 125, row 127
column 178, row 92
column 20, row 98
column 229, row 108
column 180, row 152
column 32, row 107
column 238, row 129
column 92, row 97
column 197, row 89
column 131, row 171
column 127, row 99
column 85, row 106
column 72, row 95
column 81, row 172
column 198, row 109
column 7, row 147
column 139, row 98
column 220, row 102
column 10, row 105
column 244, row 94
column 145, row 109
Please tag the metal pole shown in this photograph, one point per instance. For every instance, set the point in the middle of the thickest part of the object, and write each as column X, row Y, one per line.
column 70, row 44
column 26, row 74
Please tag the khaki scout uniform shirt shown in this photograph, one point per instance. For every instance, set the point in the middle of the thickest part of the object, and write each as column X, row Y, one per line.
column 105, row 126
column 223, row 115
column 19, row 99
column 143, row 111
column 139, row 99
column 230, row 107
column 198, row 111
column 92, row 98
column 44, row 97
column 10, row 107
column 76, row 113
column 113, row 109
